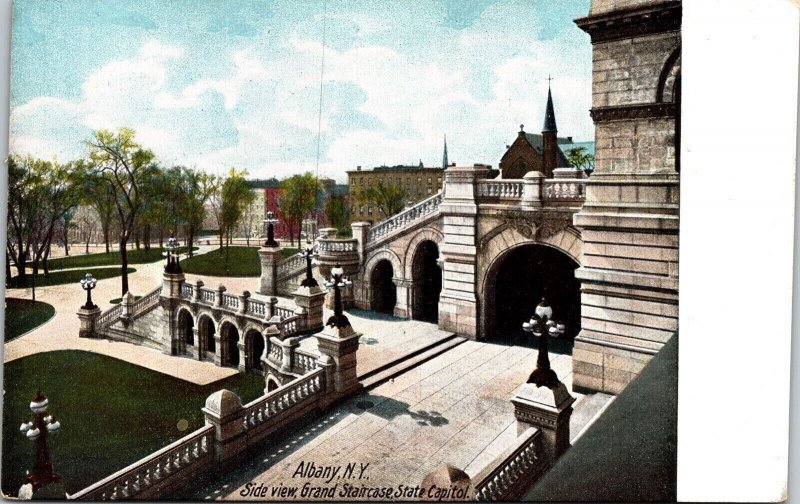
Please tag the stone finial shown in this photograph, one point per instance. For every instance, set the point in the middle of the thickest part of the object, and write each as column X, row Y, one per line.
column 221, row 288
column 223, row 403
column 446, row 483
column 200, row 283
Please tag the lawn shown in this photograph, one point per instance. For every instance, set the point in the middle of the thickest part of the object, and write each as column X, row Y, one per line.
column 112, row 413
column 69, row 276
column 22, row 316
column 140, row 256
column 241, row 262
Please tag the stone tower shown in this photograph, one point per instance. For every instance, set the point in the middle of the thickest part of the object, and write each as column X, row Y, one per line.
column 549, row 138
column 629, row 222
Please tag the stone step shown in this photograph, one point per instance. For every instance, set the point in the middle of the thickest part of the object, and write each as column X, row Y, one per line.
column 399, row 366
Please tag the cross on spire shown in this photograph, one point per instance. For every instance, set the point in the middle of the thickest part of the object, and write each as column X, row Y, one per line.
column 548, row 81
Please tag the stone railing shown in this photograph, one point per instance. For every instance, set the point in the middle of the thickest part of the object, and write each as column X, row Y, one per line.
column 148, row 477
column 208, row 296
column 263, row 409
column 341, row 245
column 230, row 301
column 291, row 266
column 275, row 354
column 293, row 325
column 423, row 208
column 109, row 316
column 500, row 189
column 564, row 189
column 257, row 308
column 145, row 303
column 284, row 312
column 513, row 472
column 187, row 290
column 303, row 361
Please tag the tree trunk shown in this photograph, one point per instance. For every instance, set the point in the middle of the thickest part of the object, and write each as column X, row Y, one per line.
column 33, row 283
column 106, row 240
column 66, row 242
column 136, row 238
column 44, row 261
column 8, row 269
column 123, row 253
column 87, row 245
column 146, row 237
column 190, row 242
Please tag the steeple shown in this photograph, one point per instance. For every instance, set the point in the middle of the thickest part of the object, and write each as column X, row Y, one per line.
column 549, row 115
column 444, row 157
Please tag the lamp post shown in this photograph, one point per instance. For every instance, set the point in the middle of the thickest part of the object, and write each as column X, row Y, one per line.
column 338, row 319
column 37, row 431
column 173, row 266
column 88, row 283
column 309, row 254
column 270, row 222
column 542, row 325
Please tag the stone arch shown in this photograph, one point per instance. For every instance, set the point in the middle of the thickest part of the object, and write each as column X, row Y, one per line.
column 272, row 383
column 185, row 330
column 424, row 234
column 254, row 346
column 377, row 258
column 206, row 330
column 568, row 242
column 230, row 335
column 668, row 80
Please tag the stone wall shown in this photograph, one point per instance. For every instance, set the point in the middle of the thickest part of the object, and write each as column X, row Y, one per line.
column 629, row 222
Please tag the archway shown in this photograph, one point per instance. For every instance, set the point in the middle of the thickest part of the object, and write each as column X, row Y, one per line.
column 272, row 384
column 254, row 348
column 230, row 345
column 517, row 282
column 384, row 293
column 205, row 333
column 427, row 277
column 185, row 331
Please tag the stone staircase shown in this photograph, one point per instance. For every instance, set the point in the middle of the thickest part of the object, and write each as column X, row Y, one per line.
column 396, row 367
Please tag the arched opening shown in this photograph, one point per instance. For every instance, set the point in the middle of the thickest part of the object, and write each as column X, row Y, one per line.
column 272, row 384
column 230, row 345
column 185, row 331
column 516, row 284
column 205, row 333
column 254, row 348
column 384, row 293
column 427, row 277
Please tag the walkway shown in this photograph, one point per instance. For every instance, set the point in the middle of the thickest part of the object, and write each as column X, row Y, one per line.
column 452, row 409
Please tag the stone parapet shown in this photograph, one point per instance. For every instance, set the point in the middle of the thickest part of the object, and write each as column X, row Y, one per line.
column 88, row 318
column 270, row 258
column 548, row 410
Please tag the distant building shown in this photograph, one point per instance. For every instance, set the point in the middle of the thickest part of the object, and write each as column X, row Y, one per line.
column 539, row 152
column 420, row 182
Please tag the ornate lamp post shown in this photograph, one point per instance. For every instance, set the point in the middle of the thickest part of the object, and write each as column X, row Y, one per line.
column 338, row 319
column 309, row 254
column 88, row 283
column 270, row 221
column 542, row 325
column 173, row 264
column 37, row 431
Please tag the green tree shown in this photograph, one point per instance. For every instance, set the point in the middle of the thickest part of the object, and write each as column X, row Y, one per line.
column 388, row 199
column 194, row 190
column 298, row 199
column 236, row 197
column 337, row 211
column 579, row 158
column 119, row 162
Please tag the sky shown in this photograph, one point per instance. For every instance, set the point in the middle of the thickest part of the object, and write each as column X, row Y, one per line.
column 235, row 83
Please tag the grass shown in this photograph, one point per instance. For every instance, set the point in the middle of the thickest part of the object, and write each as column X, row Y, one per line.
column 119, row 299
column 242, row 262
column 112, row 413
column 65, row 277
column 22, row 316
column 140, row 256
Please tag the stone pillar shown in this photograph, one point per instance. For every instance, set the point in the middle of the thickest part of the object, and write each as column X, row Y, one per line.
column 243, row 300
column 341, row 345
column 270, row 258
column 127, row 307
column 170, row 294
column 224, row 411
column 549, row 410
column 220, row 291
column 630, row 220
column 240, row 345
column 171, row 286
column 196, row 350
column 360, row 233
column 218, row 346
column 88, row 320
column 532, row 190
column 288, row 346
column 311, row 299
column 199, row 285
column 328, row 233
column 457, row 301
column 402, row 307
column 270, row 305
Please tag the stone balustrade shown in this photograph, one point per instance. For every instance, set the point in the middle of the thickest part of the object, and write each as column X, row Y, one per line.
column 304, row 362
column 334, row 245
column 157, row 472
column 229, row 301
column 208, row 296
column 109, row 317
column 267, row 407
column 187, row 290
column 386, row 227
column 500, row 189
column 291, row 266
column 146, row 302
column 564, row 189
column 513, row 472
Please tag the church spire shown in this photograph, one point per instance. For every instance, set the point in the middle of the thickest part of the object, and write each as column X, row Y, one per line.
column 444, row 157
column 549, row 115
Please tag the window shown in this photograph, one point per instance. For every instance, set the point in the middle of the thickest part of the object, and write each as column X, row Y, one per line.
column 369, row 210
column 429, row 190
column 439, row 181
column 353, row 182
column 361, row 210
column 429, row 180
column 369, row 181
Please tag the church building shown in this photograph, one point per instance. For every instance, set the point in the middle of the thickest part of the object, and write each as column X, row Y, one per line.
column 534, row 152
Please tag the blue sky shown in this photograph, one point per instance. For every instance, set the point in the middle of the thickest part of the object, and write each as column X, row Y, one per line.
column 215, row 84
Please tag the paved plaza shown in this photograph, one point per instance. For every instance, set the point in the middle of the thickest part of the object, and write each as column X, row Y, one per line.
column 452, row 409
